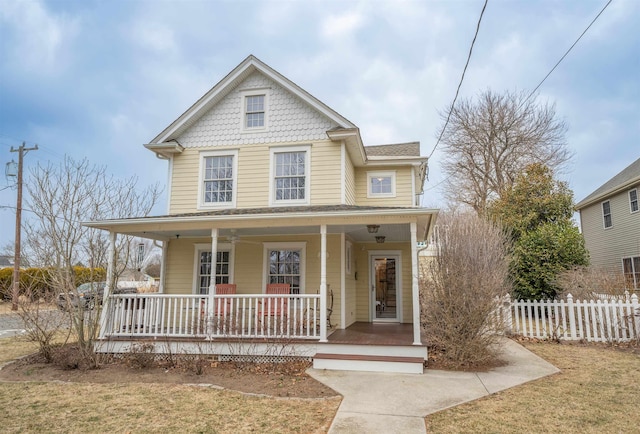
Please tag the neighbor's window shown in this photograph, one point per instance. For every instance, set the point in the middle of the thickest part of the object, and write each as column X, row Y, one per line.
column 290, row 175
column 205, row 270
column 254, row 111
column 633, row 200
column 606, row 214
column 381, row 184
column 631, row 269
column 218, row 178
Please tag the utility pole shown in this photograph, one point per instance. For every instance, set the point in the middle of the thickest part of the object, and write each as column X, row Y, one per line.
column 22, row 151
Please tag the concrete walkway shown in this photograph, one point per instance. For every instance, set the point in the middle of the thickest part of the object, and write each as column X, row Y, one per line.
column 397, row 403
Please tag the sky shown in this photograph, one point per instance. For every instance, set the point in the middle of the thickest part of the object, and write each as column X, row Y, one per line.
column 98, row 79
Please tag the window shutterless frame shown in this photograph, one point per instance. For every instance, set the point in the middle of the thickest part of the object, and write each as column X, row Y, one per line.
column 606, row 214
column 633, row 200
column 217, row 180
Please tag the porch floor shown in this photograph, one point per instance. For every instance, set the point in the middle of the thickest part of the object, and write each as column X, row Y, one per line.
column 365, row 333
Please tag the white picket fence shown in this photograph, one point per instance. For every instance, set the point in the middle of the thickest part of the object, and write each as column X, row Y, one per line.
column 614, row 319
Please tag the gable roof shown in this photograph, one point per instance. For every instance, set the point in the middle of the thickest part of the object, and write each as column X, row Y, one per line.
column 623, row 180
column 228, row 83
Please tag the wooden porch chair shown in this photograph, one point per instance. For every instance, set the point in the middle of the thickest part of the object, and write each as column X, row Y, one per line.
column 276, row 306
column 224, row 289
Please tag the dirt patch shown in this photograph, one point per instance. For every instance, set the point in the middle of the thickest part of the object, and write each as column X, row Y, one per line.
column 279, row 380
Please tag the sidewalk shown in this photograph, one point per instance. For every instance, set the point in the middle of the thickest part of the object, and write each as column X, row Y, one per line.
column 397, row 403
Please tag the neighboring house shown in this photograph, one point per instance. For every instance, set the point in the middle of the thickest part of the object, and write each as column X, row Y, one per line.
column 610, row 222
column 269, row 185
column 6, row 261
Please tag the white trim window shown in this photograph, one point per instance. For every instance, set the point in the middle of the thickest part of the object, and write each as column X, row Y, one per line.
column 381, row 184
column 218, row 179
column 204, row 268
column 606, row 214
column 285, row 263
column 633, row 200
column 254, row 110
column 290, row 175
column 631, row 270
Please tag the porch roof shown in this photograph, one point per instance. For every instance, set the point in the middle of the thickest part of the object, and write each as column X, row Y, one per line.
column 276, row 220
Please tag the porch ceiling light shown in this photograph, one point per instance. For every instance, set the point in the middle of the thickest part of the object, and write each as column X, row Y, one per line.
column 373, row 229
column 380, row 239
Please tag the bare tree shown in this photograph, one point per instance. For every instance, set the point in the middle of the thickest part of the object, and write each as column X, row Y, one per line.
column 488, row 142
column 460, row 288
column 62, row 197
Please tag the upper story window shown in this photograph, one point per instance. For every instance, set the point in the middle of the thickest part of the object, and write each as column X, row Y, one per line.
column 254, row 113
column 633, row 200
column 218, row 175
column 254, row 109
column 290, row 175
column 606, row 214
column 381, row 184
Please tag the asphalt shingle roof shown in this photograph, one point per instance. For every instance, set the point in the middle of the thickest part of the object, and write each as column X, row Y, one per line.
column 628, row 174
column 395, row 150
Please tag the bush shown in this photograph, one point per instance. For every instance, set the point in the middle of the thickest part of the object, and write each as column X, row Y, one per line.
column 39, row 281
column 583, row 283
column 459, row 292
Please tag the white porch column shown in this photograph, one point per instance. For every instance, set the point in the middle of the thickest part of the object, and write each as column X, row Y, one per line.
column 111, row 265
column 323, row 283
column 163, row 269
column 212, row 282
column 415, row 287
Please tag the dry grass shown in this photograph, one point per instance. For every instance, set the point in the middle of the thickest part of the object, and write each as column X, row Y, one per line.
column 14, row 347
column 143, row 407
column 597, row 391
column 85, row 407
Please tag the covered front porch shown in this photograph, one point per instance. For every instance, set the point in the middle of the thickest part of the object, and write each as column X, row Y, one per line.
column 343, row 265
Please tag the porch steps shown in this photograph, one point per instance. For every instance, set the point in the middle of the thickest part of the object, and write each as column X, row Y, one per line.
column 370, row 358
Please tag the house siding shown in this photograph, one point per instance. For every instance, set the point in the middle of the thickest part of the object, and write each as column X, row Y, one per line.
column 349, row 181
column 289, row 119
column 607, row 247
column 403, row 186
column 248, row 265
column 253, row 176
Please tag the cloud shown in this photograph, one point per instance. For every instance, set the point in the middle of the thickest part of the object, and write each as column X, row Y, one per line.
column 37, row 39
column 340, row 26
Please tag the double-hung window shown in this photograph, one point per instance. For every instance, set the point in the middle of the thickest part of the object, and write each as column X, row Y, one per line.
column 633, row 200
column 254, row 110
column 285, row 264
column 218, row 174
column 290, row 175
column 381, row 184
column 631, row 270
column 606, row 214
column 220, row 271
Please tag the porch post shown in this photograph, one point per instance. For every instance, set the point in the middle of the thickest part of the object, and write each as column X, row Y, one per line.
column 415, row 288
column 163, row 270
column 212, row 282
column 323, row 283
column 111, row 264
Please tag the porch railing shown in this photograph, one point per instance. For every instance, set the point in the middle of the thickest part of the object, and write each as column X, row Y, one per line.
column 220, row 316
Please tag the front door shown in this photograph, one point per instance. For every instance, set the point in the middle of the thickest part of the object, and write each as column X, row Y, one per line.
column 384, row 288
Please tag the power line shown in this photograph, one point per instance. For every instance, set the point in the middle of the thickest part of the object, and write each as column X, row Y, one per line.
column 461, row 79
column 568, row 51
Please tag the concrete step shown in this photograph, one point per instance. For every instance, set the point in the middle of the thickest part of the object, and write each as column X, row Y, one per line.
column 368, row 363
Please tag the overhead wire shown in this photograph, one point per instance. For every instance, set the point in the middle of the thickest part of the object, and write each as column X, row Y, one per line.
column 532, row 92
column 464, row 70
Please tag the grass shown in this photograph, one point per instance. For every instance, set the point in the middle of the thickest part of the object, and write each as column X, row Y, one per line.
column 14, row 347
column 597, row 391
column 85, row 407
column 139, row 407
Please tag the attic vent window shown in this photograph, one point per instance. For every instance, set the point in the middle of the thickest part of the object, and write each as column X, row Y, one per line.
column 254, row 111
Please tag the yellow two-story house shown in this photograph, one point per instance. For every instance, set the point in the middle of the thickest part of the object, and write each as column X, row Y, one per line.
column 281, row 227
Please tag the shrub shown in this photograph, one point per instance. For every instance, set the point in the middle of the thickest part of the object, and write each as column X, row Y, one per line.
column 459, row 292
